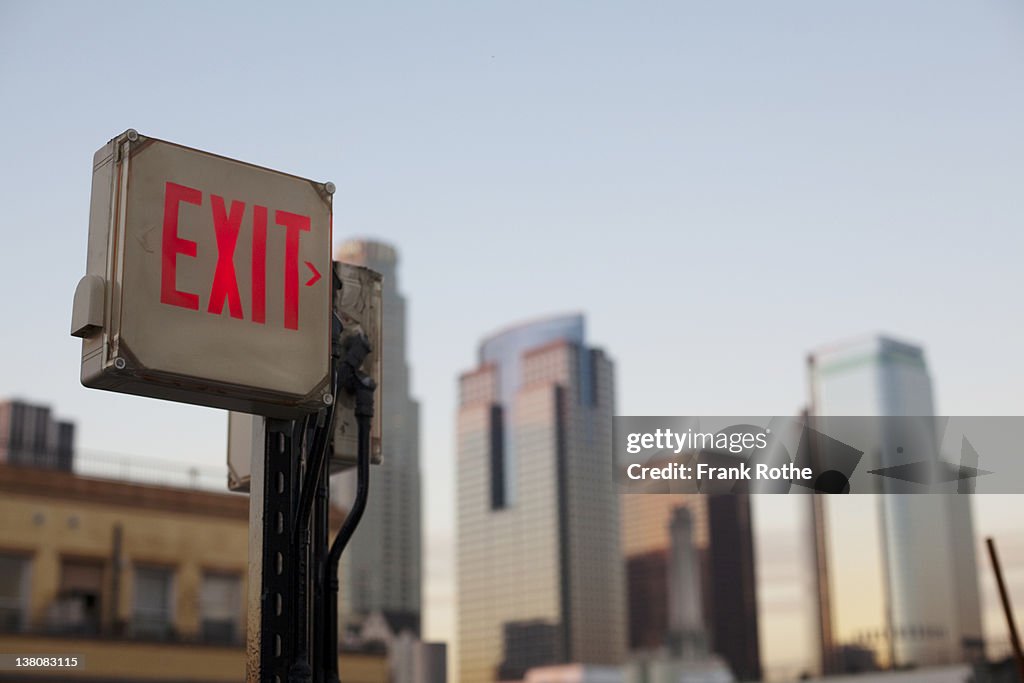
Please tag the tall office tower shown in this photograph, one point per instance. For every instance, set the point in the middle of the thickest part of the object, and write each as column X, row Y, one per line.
column 381, row 571
column 732, row 585
column 722, row 533
column 901, row 567
column 29, row 435
column 539, row 570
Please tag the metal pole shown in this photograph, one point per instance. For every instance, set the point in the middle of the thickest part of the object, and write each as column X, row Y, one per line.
column 1004, row 596
column 271, row 603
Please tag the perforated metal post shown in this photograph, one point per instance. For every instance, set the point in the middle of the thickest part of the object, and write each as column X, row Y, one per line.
column 270, row 642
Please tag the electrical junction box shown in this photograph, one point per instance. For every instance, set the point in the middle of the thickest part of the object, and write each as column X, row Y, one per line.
column 359, row 305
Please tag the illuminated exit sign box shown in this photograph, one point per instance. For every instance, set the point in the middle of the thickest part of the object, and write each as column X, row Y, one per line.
column 208, row 280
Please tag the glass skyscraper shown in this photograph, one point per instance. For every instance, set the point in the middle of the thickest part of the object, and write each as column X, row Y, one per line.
column 540, row 575
column 897, row 571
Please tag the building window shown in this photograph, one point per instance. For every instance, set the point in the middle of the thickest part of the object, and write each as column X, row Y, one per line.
column 13, row 592
column 152, row 614
column 497, row 451
column 77, row 608
column 220, row 606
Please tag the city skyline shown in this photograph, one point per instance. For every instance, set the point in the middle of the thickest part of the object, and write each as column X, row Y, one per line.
column 768, row 503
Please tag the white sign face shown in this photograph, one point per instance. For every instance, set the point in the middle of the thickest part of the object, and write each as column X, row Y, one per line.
column 217, row 280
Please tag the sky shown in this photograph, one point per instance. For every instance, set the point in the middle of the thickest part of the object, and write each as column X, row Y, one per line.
column 719, row 187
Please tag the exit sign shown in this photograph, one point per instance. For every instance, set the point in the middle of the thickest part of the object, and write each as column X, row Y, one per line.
column 208, row 280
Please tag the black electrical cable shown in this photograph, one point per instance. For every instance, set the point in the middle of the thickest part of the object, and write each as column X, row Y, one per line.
column 300, row 670
column 364, row 419
column 362, row 491
column 320, row 528
column 321, row 442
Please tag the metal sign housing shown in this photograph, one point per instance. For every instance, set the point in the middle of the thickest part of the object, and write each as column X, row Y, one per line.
column 208, row 280
column 360, row 307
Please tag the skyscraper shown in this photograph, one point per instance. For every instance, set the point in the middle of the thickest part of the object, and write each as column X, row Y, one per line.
column 381, row 571
column 901, row 568
column 540, row 576
column 732, row 587
column 723, row 536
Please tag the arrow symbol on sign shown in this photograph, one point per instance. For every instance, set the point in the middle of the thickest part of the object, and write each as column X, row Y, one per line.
column 316, row 274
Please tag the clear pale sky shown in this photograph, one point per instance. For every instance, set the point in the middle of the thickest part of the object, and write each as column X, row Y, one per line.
column 719, row 186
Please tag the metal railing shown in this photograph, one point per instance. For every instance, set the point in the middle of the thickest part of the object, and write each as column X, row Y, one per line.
column 148, row 470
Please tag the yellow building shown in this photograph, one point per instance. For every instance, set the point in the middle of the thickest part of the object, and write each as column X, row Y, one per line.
column 141, row 583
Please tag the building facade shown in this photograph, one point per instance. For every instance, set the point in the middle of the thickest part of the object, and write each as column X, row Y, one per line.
column 896, row 572
column 143, row 583
column 30, row 435
column 382, row 568
column 540, row 577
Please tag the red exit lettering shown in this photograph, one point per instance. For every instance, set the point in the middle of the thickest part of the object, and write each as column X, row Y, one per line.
column 227, row 224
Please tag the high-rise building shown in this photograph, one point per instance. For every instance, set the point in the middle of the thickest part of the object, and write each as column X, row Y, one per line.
column 895, row 571
column 722, row 535
column 29, row 435
column 732, row 586
column 381, row 569
column 540, row 577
